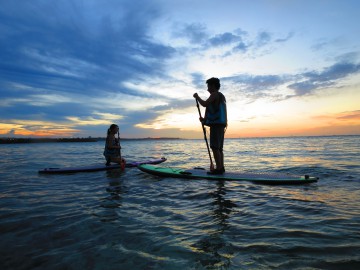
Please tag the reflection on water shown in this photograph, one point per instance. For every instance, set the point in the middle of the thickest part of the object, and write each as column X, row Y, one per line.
column 213, row 244
column 113, row 197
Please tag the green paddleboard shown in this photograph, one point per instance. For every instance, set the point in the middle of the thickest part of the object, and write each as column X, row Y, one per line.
column 200, row 173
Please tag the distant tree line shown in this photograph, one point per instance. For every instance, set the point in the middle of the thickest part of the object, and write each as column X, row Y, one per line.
column 89, row 139
column 44, row 140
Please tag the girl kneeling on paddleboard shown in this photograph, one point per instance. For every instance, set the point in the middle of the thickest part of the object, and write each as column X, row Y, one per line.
column 112, row 151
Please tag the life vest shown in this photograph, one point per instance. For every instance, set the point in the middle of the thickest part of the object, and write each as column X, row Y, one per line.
column 111, row 152
column 216, row 114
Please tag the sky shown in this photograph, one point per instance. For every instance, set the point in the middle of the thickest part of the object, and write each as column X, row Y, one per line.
column 70, row 68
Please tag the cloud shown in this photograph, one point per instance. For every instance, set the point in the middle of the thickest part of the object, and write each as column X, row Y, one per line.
column 255, row 45
column 196, row 33
column 311, row 81
column 63, row 60
column 198, row 80
column 241, row 46
column 324, row 44
column 239, row 40
column 342, row 116
column 224, row 39
column 354, row 115
column 36, row 128
column 263, row 38
column 277, row 87
column 256, row 83
column 67, row 48
column 288, row 37
column 348, row 57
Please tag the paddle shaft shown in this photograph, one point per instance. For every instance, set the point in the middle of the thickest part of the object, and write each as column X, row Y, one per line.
column 119, row 144
column 204, row 131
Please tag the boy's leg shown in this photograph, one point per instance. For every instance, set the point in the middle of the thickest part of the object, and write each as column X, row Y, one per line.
column 222, row 166
column 216, row 144
column 217, row 157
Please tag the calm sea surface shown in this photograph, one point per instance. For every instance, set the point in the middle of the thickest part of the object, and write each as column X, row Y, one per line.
column 132, row 220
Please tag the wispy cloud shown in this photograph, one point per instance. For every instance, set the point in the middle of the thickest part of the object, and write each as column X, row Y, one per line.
column 237, row 41
column 65, row 58
column 355, row 115
column 263, row 38
column 284, row 39
column 71, row 52
column 277, row 87
column 224, row 39
column 196, row 33
column 311, row 81
column 256, row 83
column 342, row 116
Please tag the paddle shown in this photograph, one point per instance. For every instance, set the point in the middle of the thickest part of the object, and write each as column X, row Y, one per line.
column 122, row 164
column 204, row 131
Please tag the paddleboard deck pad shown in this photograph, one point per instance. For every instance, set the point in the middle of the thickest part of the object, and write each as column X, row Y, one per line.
column 200, row 173
column 100, row 167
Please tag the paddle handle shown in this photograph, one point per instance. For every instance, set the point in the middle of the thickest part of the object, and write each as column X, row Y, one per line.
column 204, row 131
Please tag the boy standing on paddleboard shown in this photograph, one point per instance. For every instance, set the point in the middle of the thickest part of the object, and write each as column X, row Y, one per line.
column 216, row 119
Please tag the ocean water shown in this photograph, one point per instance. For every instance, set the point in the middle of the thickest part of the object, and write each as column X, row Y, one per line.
column 132, row 220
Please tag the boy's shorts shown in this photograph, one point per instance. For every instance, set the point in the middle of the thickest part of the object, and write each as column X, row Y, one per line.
column 217, row 137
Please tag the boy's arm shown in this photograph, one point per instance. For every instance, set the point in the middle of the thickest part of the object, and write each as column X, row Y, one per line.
column 205, row 103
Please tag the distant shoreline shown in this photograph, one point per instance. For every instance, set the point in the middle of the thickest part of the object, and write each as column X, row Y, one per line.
column 96, row 139
column 60, row 140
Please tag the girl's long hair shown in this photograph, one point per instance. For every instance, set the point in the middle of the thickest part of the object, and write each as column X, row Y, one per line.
column 112, row 126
